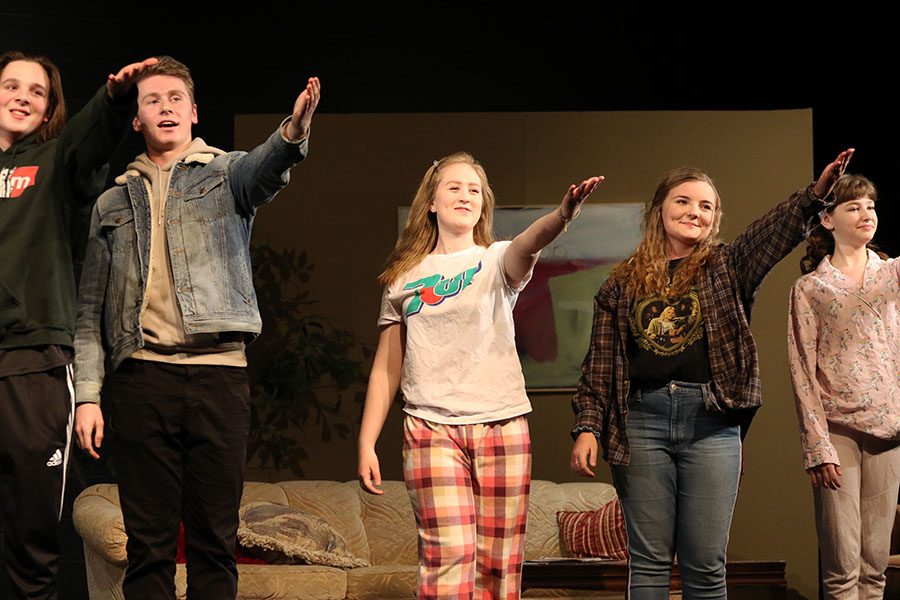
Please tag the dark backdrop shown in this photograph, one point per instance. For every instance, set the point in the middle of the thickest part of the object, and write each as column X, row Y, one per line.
column 437, row 57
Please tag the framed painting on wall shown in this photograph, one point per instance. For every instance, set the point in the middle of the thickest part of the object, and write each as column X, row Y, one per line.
column 554, row 313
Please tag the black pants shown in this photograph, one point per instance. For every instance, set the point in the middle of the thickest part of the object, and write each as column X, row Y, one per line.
column 35, row 429
column 181, row 444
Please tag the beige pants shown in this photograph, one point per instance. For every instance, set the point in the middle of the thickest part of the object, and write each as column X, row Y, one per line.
column 854, row 522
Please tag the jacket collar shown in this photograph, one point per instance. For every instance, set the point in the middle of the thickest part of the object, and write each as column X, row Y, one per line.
column 198, row 152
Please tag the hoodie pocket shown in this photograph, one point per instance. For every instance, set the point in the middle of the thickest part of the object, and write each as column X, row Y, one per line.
column 11, row 311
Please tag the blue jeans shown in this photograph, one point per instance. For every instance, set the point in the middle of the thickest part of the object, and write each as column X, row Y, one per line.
column 678, row 491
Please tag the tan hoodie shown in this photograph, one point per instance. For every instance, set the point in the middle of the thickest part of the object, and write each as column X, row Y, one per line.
column 163, row 328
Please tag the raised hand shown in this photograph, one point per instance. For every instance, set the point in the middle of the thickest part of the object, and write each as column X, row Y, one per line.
column 576, row 196
column 304, row 107
column 831, row 172
column 119, row 84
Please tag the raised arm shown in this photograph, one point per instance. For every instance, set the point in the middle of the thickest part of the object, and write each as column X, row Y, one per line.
column 92, row 136
column 259, row 174
column 772, row 236
column 525, row 249
column 383, row 383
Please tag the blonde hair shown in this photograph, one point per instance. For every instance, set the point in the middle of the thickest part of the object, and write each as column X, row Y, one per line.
column 420, row 235
column 646, row 271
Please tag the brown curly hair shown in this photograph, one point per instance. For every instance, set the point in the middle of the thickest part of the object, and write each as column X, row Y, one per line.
column 646, row 271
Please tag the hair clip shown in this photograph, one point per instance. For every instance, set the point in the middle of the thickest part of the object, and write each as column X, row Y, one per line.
column 812, row 223
column 434, row 163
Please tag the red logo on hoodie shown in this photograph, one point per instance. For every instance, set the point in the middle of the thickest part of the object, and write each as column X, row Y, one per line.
column 14, row 181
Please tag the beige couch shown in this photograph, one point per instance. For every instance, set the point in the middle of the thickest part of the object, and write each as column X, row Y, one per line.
column 378, row 528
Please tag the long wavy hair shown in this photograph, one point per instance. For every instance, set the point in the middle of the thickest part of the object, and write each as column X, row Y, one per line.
column 420, row 235
column 646, row 271
column 55, row 117
column 820, row 241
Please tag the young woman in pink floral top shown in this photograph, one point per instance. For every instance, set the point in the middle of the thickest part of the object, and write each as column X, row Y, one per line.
column 844, row 347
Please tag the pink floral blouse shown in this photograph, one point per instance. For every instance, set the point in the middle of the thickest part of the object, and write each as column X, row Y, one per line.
column 844, row 348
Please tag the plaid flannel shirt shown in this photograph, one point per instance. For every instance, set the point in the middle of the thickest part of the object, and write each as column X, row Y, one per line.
column 727, row 289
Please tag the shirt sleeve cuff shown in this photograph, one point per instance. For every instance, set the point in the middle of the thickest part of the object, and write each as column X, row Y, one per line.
column 808, row 198
column 824, row 454
column 578, row 430
column 87, row 393
column 283, row 127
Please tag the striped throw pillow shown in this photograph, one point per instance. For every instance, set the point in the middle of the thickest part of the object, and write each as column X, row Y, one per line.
column 595, row 533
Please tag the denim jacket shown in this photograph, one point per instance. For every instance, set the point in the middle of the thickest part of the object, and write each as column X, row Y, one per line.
column 211, row 202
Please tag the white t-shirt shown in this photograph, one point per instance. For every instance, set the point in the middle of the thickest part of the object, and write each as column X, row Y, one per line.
column 461, row 365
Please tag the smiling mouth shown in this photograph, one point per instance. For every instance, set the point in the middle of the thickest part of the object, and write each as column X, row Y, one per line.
column 167, row 124
column 19, row 112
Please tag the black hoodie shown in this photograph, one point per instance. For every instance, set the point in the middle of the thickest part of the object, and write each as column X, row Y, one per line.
column 43, row 188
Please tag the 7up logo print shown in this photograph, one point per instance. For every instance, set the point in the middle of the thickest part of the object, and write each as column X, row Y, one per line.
column 434, row 289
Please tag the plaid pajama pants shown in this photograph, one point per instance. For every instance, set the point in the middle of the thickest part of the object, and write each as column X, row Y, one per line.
column 469, row 489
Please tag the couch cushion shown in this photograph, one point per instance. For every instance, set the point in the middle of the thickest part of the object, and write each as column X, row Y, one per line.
column 595, row 533
column 542, row 537
column 284, row 535
column 98, row 520
column 282, row 582
column 390, row 525
column 382, row 581
column 336, row 502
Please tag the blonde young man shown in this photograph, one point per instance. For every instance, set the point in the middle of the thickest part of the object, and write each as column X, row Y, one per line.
column 167, row 300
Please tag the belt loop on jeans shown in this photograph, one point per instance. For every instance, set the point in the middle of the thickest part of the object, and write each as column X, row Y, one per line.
column 636, row 393
column 709, row 398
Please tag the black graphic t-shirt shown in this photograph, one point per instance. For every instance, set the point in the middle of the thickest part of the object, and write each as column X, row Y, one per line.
column 666, row 339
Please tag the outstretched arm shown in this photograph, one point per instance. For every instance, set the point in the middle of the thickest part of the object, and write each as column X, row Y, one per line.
column 525, row 249
column 92, row 135
column 772, row 236
column 383, row 383
column 261, row 173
